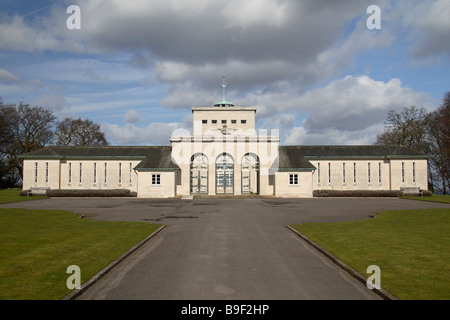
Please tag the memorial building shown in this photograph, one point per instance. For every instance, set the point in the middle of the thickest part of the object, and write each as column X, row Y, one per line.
column 225, row 155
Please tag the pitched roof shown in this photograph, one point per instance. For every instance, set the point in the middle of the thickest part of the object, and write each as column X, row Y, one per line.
column 89, row 152
column 153, row 157
column 297, row 157
column 160, row 158
column 365, row 151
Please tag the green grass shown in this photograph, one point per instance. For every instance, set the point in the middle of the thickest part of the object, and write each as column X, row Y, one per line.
column 12, row 195
column 411, row 247
column 434, row 198
column 37, row 246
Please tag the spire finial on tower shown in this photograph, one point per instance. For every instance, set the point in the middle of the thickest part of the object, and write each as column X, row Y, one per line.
column 223, row 103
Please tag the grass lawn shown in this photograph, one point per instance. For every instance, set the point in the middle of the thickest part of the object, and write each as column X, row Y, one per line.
column 37, row 246
column 434, row 198
column 12, row 195
column 411, row 247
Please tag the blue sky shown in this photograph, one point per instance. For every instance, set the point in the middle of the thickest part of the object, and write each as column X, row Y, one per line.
column 312, row 68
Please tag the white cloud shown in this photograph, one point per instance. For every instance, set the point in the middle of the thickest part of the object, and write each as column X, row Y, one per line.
column 52, row 101
column 6, row 76
column 132, row 116
column 129, row 134
column 301, row 136
column 433, row 30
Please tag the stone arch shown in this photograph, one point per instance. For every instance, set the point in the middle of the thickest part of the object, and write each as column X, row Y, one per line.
column 199, row 174
column 224, row 174
column 250, row 174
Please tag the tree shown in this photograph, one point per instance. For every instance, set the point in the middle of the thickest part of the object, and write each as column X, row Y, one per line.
column 77, row 132
column 23, row 129
column 439, row 143
column 8, row 121
column 406, row 129
column 425, row 132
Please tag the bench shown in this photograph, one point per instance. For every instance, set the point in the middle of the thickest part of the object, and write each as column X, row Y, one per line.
column 38, row 191
column 410, row 190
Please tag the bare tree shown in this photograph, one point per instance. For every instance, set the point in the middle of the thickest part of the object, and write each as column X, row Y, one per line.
column 439, row 144
column 77, row 132
column 425, row 132
column 23, row 129
column 406, row 129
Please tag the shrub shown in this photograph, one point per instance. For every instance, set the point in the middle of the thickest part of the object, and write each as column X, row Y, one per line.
column 356, row 193
column 23, row 193
column 90, row 193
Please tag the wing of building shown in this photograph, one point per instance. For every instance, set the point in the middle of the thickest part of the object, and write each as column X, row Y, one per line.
column 225, row 155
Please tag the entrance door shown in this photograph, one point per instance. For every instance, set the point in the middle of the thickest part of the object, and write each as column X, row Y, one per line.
column 224, row 174
column 250, row 174
column 199, row 174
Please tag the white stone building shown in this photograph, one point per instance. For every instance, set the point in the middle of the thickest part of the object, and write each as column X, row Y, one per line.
column 225, row 155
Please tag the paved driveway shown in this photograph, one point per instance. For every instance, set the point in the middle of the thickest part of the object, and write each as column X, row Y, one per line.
column 215, row 248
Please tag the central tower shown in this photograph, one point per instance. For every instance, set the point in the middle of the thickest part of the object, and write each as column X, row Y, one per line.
column 225, row 155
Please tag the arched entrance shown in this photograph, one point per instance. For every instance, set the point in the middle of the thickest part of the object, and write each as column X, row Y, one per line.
column 224, row 174
column 199, row 174
column 250, row 174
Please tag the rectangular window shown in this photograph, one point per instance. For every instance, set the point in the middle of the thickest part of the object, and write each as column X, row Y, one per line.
column 224, row 121
column 233, row 121
column 329, row 172
column 70, row 172
column 156, row 179
column 403, row 172
column 318, row 173
column 106, row 171
column 120, row 173
column 414, row 172
column 35, row 172
column 243, row 121
column 293, row 179
column 95, row 172
column 379, row 172
column 204, row 121
column 343, row 172
column 81, row 171
column 131, row 170
column 214, row 121
column 368, row 172
column 46, row 172
column 354, row 172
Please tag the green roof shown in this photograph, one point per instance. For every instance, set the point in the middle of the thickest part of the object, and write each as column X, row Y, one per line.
column 224, row 103
column 159, row 159
column 297, row 157
column 153, row 157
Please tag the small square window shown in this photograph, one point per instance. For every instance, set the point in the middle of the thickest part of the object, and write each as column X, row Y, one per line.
column 204, row 121
column 156, row 179
column 293, row 179
column 214, row 121
column 224, row 121
column 233, row 121
column 243, row 121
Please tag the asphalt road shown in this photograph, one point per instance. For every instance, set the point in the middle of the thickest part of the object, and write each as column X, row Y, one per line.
column 216, row 248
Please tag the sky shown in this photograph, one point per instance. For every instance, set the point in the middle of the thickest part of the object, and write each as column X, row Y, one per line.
column 317, row 71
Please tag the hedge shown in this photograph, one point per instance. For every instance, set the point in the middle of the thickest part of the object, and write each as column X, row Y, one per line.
column 87, row 193
column 356, row 193
column 365, row 193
